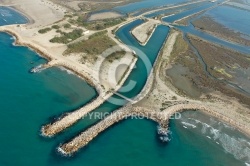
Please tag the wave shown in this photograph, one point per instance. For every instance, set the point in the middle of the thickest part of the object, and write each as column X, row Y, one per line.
column 64, row 69
column 189, row 124
column 165, row 134
column 235, row 145
column 37, row 69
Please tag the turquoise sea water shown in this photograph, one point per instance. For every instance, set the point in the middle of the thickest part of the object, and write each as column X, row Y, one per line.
column 29, row 100
column 9, row 16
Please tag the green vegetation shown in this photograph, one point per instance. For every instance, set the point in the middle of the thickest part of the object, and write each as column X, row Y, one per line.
column 96, row 25
column 55, row 26
column 180, row 47
column 66, row 26
column 96, row 44
column 115, row 56
column 45, row 30
column 67, row 37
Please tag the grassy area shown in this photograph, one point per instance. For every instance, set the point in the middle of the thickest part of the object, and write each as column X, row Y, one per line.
column 66, row 26
column 115, row 56
column 96, row 44
column 180, row 47
column 45, row 30
column 67, row 37
column 96, row 25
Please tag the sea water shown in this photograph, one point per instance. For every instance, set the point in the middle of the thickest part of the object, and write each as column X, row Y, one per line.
column 27, row 101
column 9, row 16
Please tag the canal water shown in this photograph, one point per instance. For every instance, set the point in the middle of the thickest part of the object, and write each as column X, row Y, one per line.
column 173, row 10
column 188, row 12
column 30, row 100
column 146, row 4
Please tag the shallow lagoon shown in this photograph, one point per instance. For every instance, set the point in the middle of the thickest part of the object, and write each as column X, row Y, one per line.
column 144, row 4
column 233, row 18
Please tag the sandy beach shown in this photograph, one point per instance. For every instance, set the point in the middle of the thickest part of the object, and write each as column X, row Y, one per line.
column 37, row 11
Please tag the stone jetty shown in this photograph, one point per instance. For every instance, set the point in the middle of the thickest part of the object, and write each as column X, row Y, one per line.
column 51, row 129
column 162, row 118
column 85, row 137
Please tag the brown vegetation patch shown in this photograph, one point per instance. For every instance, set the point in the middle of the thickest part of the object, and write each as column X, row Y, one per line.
column 183, row 55
column 209, row 25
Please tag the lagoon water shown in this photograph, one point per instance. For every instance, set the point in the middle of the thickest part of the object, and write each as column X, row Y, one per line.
column 30, row 100
column 231, row 17
column 133, row 7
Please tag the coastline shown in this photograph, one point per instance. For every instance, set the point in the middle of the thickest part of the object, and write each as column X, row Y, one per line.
column 23, row 13
column 49, row 58
column 20, row 42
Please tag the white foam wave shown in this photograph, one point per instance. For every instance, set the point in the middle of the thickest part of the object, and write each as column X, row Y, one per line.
column 37, row 69
column 64, row 69
column 188, row 124
column 215, row 133
column 235, row 147
column 238, row 147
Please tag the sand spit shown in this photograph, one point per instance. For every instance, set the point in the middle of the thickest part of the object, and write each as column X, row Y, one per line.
column 144, row 31
column 38, row 11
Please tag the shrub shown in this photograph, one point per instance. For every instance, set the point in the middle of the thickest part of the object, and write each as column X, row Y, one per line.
column 55, row 26
column 45, row 30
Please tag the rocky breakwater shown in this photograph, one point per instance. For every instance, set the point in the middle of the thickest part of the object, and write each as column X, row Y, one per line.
column 66, row 121
column 128, row 111
column 162, row 118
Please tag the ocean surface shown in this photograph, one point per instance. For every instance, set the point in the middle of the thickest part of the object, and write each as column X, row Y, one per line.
column 9, row 16
column 27, row 101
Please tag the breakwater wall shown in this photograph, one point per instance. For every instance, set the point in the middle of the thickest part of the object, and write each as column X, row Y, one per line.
column 162, row 118
column 52, row 129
